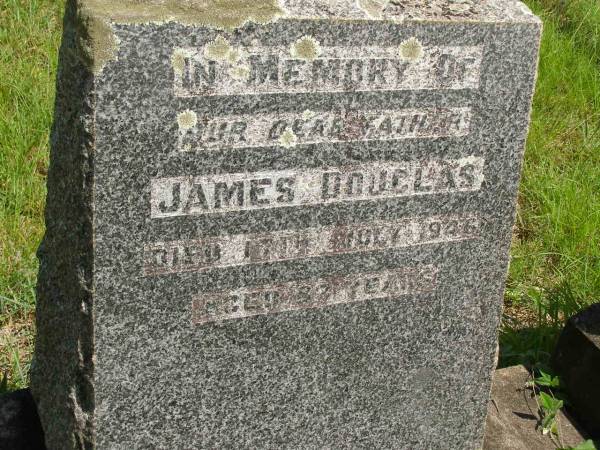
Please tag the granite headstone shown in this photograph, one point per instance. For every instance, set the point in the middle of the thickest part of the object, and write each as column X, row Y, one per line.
column 279, row 224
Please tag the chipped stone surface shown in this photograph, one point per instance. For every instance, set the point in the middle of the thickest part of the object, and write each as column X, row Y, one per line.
column 266, row 232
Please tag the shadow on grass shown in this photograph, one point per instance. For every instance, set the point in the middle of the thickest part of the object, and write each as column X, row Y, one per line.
column 532, row 324
column 531, row 347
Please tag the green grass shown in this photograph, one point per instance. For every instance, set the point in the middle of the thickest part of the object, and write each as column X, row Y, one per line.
column 29, row 37
column 555, row 269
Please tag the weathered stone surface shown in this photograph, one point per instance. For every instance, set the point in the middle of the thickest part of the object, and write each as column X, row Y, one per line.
column 20, row 427
column 513, row 416
column 577, row 360
column 271, row 236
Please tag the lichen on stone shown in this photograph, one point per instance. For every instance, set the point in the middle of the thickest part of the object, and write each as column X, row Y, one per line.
column 307, row 48
column 98, row 43
column 217, row 50
column 373, row 8
column 411, row 50
column 178, row 60
column 96, row 40
column 221, row 14
column 288, row 138
column 235, row 55
column 187, row 120
column 241, row 72
column 308, row 114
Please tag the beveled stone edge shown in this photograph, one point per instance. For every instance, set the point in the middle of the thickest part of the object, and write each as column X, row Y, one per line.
column 98, row 43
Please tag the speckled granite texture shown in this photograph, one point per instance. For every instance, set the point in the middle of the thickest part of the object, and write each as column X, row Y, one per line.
column 292, row 234
column 419, row 10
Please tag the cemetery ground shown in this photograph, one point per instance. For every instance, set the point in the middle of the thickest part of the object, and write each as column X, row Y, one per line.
column 555, row 269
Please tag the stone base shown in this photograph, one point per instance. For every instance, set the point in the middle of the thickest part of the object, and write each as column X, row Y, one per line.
column 512, row 422
column 577, row 360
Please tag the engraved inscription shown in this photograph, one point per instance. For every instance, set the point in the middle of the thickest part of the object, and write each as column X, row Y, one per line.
column 238, row 250
column 247, row 302
column 182, row 196
column 264, row 130
column 263, row 70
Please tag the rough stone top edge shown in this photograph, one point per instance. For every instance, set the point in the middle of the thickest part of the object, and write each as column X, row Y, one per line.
column 231, row 14
column 99, row 43
column 444, row 11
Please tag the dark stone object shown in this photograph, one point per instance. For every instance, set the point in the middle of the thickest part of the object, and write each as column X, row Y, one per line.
column 20, row 427
column 512, row 421
column 271, row 236
column 577, row 360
